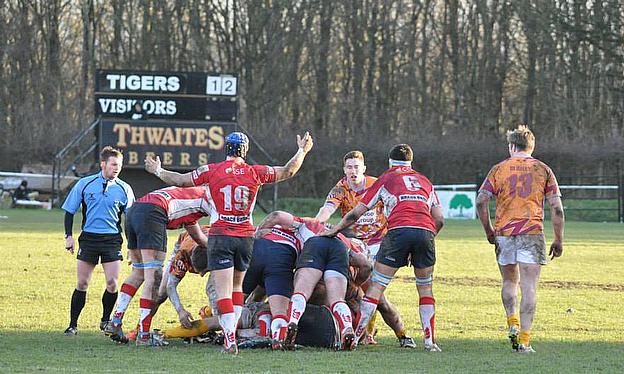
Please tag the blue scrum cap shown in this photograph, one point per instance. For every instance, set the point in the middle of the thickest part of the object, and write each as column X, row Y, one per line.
column 236, row 144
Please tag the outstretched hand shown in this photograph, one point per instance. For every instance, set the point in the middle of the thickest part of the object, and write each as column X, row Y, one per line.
column 306, row 142
column 152, row 164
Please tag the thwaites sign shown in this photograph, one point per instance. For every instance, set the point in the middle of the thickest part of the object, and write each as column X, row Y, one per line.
column 180, row 145
column 166, row 95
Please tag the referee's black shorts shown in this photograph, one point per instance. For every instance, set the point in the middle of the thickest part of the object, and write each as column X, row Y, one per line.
column 92, row 247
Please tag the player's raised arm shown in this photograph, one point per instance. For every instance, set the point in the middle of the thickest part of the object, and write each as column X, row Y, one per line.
column 172, row 178
column 291, row 168
column 347, row 220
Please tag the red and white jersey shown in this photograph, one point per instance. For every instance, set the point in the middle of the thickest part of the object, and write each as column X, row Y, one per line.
column 184, row 205
column 284, row 235
column 306, row 228
column 233, row 186
column 407, row 196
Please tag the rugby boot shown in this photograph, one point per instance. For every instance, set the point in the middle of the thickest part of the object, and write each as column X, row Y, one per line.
column 407, row 342
column 513, row 336
column 349, row 343
column 232, row 349
column 433, row 347
column 70, row 331
column 114, row 331
column 291, row 336
column 151, row 339
column 103, row 325
column 525, row 349
column 276, row 345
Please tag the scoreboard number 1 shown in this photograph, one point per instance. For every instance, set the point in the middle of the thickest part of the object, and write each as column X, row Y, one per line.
column 221, row 85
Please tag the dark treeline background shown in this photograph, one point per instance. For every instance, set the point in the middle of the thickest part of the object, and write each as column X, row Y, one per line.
column 447, row 76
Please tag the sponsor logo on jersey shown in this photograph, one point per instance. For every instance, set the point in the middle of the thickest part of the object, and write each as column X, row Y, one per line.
column 283, row 234
column 412, row 198
column 233, row 219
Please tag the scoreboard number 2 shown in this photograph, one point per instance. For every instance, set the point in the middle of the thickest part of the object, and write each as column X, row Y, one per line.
column 221, row 85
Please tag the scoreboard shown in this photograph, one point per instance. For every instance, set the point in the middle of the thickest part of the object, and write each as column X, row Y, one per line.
column 181, row 116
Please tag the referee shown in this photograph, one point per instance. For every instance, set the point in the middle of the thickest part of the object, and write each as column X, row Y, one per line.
column 103, row 198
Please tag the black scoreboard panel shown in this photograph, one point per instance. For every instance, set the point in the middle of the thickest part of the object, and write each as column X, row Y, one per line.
column 186, row 96
column 180, row 145
column 185, row 108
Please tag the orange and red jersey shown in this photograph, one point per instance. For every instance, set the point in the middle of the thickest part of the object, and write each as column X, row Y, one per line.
column 233, row 187
column 184, row 205
column 407, row 197
column 371, row 226
column 520, row 185
column 181, row 262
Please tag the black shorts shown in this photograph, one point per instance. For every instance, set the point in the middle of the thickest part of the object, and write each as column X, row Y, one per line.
column 324, row 253
column 272, row 266
column 317, row 328
column 146, row 227
column 227, row 251
column 93, row 246
column 399, row 245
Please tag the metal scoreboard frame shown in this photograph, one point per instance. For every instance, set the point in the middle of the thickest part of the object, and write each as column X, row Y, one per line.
column 182, row 116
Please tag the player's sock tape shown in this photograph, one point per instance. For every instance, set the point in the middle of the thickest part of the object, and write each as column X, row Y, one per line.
column 424, row 281
column 381, row 279
column 147, row 265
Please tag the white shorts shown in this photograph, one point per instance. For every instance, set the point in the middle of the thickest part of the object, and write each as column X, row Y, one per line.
column 528, row 249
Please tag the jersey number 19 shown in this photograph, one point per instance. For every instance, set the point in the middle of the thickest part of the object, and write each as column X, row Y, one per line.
column 241, row 197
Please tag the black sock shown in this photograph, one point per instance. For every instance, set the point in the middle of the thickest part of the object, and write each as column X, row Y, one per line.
column 108, row 303
column 77, row 303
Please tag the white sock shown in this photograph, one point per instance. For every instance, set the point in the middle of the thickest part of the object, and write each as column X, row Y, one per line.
column 238, row 310
column 297, row 308
column 427, row 318
column 368, row 305
column 228, row 325
column 342, row 313
column 278, row 327
column 264, row 322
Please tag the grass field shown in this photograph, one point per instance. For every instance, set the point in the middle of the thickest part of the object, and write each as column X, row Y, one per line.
column 37, row 277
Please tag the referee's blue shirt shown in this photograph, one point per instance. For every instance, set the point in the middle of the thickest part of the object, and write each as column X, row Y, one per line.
column 103, row 201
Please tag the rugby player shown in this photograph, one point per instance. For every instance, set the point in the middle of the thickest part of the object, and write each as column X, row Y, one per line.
column 321, row 258
column 186, row 257
column 146, row 230
column 103, row 198
column 370, row 228
column 414, row 218
column 520, row 184
column 233, row 186
column 272, row 264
